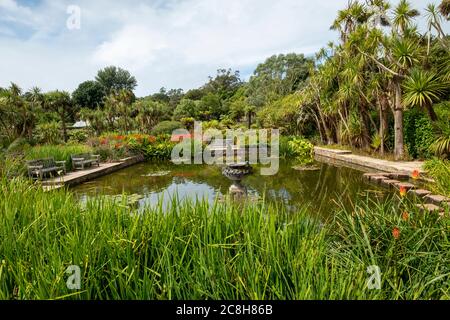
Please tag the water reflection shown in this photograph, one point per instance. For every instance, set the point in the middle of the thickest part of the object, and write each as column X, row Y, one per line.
column 319, row 190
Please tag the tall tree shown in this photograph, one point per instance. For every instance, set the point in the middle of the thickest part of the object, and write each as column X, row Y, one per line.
column 89, row 94
column 114, row 79
column 61, row 103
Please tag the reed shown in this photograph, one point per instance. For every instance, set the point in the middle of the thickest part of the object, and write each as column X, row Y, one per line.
column 195, row 250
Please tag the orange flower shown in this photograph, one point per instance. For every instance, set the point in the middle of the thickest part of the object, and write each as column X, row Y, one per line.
column 396, row 233
column 415, row 175
column 117, row 145
column 405, row 216
column 402, row 192
column 103, row 141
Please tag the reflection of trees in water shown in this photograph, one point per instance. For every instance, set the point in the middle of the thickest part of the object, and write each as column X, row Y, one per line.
column 319, row 189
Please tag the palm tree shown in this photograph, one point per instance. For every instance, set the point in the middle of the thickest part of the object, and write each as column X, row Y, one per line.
column 60, row 103
column 422, row 88
column 444, row 8
column 403, row 16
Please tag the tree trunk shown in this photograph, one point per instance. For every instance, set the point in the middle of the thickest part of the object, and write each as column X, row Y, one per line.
column 249, row 119
column 431, row 113
column 383, row 123
column 399, row 150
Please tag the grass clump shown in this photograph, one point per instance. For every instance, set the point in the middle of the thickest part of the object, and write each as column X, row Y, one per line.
column 202, row 251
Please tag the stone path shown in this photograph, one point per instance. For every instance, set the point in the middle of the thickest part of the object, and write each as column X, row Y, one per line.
column 78, row 177
column 406, row 167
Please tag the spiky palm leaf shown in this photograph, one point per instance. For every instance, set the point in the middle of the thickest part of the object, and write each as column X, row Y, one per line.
column 403, row 15
column 422, row 88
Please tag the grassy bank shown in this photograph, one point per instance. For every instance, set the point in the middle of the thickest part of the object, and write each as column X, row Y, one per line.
column 198, row 251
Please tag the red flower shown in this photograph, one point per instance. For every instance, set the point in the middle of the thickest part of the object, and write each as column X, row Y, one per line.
column 396, row 233
column 415, row 175
column 405, row 216
column 403, row 191
column 103, row 141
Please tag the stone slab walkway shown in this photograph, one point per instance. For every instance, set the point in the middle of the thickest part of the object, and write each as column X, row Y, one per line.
column 78, row 177
column 371, row 163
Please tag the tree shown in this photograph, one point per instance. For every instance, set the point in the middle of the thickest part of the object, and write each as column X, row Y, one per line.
column 278, row 76
column 114, row 79
column 224, row 85
column 444, row 7
column 89, row 94
column 60, row 103
column 187, row 108
column 150, row 113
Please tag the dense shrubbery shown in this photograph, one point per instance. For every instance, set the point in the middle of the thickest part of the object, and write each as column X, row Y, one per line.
column 419, row 134
column 439, row 170
column 166, row 127
column 299, row 148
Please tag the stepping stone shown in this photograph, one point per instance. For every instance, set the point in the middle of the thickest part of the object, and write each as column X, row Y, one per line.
column 420, row 192
column 428, row 208
column 399, row 175
column 376, row 174
column 389, row 182
column 377, row 179
column 406, row 185
column 436, row 199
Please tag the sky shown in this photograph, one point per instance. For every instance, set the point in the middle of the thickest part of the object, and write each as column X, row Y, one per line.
column 57, row 44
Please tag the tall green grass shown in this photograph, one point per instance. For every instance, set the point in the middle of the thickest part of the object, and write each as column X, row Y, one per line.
column 202, row 251
column 58, row 152
column 439, row 170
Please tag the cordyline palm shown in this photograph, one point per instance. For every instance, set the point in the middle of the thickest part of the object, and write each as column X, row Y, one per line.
column 403, row 16
column 421, row 89
column 347, row 19
column 444, row 8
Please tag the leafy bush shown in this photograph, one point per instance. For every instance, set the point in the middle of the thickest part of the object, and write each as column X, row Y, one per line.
column 48, row 133
column 439, row 170
column 166, row 127
column 78, row 136
column 300, row 149
column 419, row 134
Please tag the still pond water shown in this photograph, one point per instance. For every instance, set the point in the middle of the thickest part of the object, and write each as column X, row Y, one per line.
column 320, row 191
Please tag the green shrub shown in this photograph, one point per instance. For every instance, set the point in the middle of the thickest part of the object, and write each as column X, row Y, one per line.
column 300, row 149
column 78, row 136
column 439, row 170
column 419, row 134
column 48, row 133
column 166, row 127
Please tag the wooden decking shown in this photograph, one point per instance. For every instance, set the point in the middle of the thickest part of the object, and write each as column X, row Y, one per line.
column 77, row 177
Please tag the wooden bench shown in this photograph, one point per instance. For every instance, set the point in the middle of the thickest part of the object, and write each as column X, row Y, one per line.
column 37, row 169
column 80, row 161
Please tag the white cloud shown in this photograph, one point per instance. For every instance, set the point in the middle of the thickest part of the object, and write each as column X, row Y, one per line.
column 173, row 43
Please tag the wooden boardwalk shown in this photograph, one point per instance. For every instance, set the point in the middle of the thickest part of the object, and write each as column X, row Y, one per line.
column 78, row 177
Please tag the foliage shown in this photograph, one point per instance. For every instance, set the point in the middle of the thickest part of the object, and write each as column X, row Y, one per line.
column 48, row 133
column 58, row 152
column 114, row 79
column 202, row 251
column 439, row 170
column 78, row 136
column 419, row 134
column 89, row 94
column 166, row 127
column 295, row 147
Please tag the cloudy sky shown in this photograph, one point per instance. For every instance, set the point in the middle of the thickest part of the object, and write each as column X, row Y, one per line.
column 170, row 43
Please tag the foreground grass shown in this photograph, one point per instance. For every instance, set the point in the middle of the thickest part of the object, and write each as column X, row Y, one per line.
column 198, row 251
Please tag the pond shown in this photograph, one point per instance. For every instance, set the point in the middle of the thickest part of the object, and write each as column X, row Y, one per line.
column 320, row 191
